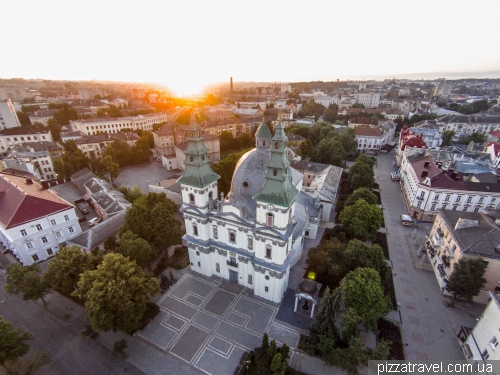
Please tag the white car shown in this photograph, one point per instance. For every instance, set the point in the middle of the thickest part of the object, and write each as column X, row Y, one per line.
column 93, row 221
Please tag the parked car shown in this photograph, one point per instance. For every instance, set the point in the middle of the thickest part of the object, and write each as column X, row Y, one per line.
column 93, row 221
column 407, row 220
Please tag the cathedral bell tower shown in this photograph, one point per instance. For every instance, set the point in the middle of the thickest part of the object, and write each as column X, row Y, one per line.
column 198, row 181
column 275, row 200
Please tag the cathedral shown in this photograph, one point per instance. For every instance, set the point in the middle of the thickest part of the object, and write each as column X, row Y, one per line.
column 253, row 235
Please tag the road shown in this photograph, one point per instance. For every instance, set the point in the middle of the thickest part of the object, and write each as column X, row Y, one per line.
column 70, row 352
column 429, row 328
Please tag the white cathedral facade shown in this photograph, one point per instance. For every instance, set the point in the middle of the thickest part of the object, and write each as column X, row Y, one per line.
column 255, row 234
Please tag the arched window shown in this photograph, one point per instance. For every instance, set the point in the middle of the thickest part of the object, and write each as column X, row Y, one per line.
column 191, row 158
column 275, row 172
column 263, row 143
column 250, row 279
column 269, row 252
column 217, row 267
column 195, row 230
column 215, row 231
column 191, row 198
column 198, row 134
column 202, row 157
column 270, row 220
column 232, row 237
column 210, row 195
column 276, row 145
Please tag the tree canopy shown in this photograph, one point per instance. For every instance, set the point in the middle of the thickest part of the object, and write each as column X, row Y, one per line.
column 361, row 220
column 152, row 218
column 135, row 248
column 448, row 136
column 13, row 342
column 116, row 294
column 467, row 278
column 365, row 301
column 65, row 269
column 361, row 193
column 361, row 175
column 26, row 280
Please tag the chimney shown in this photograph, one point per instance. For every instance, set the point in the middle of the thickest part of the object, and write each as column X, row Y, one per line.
column 424, row 174
column 426, row 164
column 29, row 181
column 454, row 175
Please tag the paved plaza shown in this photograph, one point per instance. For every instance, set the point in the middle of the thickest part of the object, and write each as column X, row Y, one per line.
column 209, row 323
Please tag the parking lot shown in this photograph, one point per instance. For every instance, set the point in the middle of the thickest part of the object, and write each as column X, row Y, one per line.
column 145, row 175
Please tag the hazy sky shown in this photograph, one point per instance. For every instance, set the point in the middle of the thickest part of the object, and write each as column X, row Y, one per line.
column 187, row 44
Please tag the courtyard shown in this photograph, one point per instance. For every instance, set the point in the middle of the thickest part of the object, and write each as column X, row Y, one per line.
column 209, row 323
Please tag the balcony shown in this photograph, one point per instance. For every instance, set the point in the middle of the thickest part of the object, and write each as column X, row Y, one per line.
column 440, row 232
column 420, row 198
column 232, row 264
column 446, row 260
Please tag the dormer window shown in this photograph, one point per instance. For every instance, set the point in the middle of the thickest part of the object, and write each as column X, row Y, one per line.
column 276, row 145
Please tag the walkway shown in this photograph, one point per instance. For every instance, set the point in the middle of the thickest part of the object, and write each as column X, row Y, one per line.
column 429, row 328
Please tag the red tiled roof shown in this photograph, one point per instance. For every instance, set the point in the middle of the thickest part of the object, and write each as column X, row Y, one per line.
column 495, row 133
column 439, row 178
column 372, row 131
column 21, row 203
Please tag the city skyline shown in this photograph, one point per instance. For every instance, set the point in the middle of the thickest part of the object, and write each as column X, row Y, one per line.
column 191, row 44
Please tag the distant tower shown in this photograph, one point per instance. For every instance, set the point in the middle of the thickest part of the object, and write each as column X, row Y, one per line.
column 231, row 88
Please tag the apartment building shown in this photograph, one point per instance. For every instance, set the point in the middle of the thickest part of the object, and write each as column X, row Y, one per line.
column 34, row 221
column 458, row 235
column 14, row 136
column 8, row 115
column 115, row 125
column 94, row 145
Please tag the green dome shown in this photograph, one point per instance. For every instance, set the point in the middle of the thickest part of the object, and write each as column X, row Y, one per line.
column 263, row 131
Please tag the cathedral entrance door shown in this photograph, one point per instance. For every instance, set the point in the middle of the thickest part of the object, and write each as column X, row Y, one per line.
column 233, row 276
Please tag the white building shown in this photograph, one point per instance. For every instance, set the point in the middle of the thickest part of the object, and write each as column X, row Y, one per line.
column 114, row 125
column 8, row 115
column 15, row 136
column 372, row 138
column 428, row 187
column 261, row 105
column 90, row 94
column 42, row 116
column 33, row 221
column 327, row 100
column 35, row 158
column 255, row 234
column 14, row 93
column 481, row 342
column 464, row 125
column 368, row 99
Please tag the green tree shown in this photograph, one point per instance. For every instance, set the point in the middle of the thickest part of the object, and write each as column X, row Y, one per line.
column 113, row 111
column 152, row 218
column 476, row 138
column 116, row 294
column 338, row 153
column 225, row 169
column 112, row 167
column 65, row 269
column 467, row 278
column 26, row 366
column 358, row 105
column 363, row 159
column 353, row 356
column 330, row 114
column 226, row 141
column 361, row 220
column 348, row 140
column 28, row 281
column 306, row 149
column 24, row 118
column 245, row 140
column 135, row 248
column 364, row 297
column 131, row 193
column 360, row 254
column 55, row 129
column 448, row 136
column 361, row 193
column 65, row 114
column 13, row 343
column 361, row 175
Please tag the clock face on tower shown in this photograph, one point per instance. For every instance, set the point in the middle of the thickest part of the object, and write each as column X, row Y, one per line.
column 270, row 207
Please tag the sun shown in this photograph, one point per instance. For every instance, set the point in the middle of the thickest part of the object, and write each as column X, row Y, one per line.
column 185, row 86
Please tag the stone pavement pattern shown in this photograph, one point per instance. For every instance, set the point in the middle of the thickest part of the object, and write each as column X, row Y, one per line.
column 210, row 323
column 428, row 327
